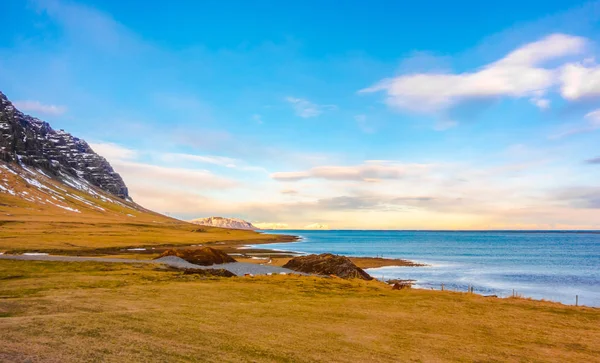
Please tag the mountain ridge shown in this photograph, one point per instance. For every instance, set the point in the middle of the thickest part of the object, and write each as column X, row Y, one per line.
column 31, row 142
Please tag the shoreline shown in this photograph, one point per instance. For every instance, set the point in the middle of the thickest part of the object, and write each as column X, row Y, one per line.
column 249, row 251
column 280, row 257
column 243, row 250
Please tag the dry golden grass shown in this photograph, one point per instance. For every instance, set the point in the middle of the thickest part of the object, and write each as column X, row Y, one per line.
column 57, row 312
column 31, row 220
column 99, row 234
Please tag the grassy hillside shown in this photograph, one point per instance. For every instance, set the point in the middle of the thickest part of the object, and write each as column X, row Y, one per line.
column 113, row 312
column 38, row 212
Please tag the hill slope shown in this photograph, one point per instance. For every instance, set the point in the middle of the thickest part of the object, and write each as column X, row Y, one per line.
column 57, row 194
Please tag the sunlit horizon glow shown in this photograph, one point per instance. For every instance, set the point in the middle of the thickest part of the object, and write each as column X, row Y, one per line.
column 403, row 120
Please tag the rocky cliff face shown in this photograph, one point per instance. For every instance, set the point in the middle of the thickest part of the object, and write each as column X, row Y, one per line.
column 221, row 222
column 32, row 142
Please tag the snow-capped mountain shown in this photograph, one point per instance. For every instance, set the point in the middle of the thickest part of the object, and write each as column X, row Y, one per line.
column 47, row 173
column 233, row 223
column 31, row 142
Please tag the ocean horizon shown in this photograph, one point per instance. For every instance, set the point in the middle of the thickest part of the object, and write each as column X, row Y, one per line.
column 555, row 265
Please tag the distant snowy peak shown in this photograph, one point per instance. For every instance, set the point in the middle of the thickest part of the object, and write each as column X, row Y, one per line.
column 232, row 223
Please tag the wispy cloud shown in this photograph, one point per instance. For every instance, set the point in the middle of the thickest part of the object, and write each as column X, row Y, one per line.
column 307, row 109
column 112, row 151
column 519, row 75
column 591, row 123
column 580, row 197
column 208, row 159
column 257, row 118
column 136, row 173
column 90, row 26
column 39, row 108
column 593, row 161
column 370, row 171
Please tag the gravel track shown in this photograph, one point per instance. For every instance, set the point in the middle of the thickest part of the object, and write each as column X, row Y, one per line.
column 238, row 268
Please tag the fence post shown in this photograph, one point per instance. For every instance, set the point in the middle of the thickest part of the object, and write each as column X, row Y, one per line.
column 576, row 300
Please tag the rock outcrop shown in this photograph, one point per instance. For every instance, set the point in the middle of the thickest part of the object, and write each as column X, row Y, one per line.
column 205, row 256
column 32, row 142
column 327, row 264
column 232, row 223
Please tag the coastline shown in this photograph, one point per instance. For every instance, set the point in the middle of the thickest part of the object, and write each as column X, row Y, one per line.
column 243, row 250
column 252, row 251
column 278, row 257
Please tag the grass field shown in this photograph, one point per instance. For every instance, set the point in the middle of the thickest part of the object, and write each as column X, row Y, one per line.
column 86, row 311
column 42, row 214
column 64, row 236
column 56, row 312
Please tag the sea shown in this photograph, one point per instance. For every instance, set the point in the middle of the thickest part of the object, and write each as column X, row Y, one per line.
column 561, row 266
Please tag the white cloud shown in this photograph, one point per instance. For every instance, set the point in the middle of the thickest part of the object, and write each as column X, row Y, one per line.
column 579, row 81
column 307, row 109
column 517, row 75
column 208, row 159
column 541, row 103
column 112, row 151
column 170, row 178
column 370, row 171
column 138, row 174
column 40, row 108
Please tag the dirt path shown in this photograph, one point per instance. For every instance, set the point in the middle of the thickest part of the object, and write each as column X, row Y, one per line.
column 238, row 268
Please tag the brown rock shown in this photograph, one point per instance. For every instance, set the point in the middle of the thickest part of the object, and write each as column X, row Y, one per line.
column 208, row 272
column 327, row 264
column 401, row 286
column 205, row 256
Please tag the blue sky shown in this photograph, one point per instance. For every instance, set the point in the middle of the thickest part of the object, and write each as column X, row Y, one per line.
column 348, row 114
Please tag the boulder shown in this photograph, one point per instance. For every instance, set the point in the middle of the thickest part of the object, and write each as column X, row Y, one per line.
column 327, row 264
column 205, row 256
column 401, row 286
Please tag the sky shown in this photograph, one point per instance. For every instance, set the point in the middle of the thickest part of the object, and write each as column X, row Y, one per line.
column 345, row 114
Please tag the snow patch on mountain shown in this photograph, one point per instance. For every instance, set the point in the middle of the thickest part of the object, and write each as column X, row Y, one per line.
column 221, row 222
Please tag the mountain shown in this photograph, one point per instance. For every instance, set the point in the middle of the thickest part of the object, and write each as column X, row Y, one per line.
column 44, row 172
column 31, row 142
column 57, row 194
column 232, row 223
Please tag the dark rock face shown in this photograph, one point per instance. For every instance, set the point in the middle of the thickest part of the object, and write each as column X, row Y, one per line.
column 327, row 264
column 32, row 142
column 205, row 256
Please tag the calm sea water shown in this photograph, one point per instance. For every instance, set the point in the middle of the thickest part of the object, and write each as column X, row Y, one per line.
column 543, row 265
